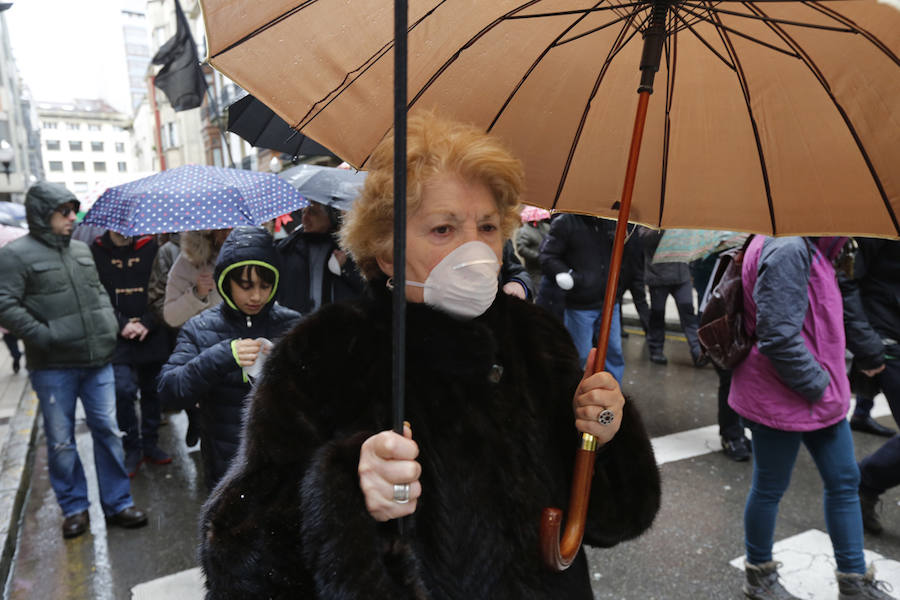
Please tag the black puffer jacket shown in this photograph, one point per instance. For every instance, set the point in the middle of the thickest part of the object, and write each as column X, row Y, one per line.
column 50, row 294
column 289, row 520
column 584, row 245
column 202, row 368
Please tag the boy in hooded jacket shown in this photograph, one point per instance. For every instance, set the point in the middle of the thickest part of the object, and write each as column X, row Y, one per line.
column 213, row 347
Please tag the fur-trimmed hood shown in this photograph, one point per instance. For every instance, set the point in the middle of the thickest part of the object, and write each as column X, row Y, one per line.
column 199, row 247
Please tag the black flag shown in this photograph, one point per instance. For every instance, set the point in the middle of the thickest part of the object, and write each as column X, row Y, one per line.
column 181, row 79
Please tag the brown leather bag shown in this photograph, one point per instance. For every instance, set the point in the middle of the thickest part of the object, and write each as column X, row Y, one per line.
column 721, row 331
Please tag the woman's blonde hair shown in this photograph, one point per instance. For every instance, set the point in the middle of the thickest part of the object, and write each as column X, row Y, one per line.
column 435, row 146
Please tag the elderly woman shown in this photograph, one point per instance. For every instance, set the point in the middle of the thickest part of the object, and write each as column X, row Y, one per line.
column 495, row 403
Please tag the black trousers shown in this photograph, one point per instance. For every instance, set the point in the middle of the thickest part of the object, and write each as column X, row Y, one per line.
column 143, row 434
column 880, row 471
column 684, row 300
column 889, row 382
column 12, row 342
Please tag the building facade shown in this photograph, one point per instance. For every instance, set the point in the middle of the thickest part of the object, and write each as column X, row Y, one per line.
column 86, row 145
column 15, row 172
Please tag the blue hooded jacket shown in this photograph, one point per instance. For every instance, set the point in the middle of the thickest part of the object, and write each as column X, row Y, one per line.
column 203, row 370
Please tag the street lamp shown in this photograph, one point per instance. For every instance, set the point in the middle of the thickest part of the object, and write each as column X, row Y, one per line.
column 6, row 157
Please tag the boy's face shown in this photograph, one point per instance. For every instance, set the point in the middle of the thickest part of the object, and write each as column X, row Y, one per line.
column 249, row 292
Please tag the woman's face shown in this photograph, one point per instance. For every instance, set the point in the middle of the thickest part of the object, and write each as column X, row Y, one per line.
column 452, row 212
column 315, row 218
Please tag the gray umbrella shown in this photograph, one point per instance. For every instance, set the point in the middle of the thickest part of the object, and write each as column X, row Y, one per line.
column 326, row 185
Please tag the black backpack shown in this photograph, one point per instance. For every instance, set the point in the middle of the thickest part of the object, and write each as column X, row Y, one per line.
column 721, row 331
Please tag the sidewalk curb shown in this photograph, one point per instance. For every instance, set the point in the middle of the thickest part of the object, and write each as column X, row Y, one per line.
column 15, row 473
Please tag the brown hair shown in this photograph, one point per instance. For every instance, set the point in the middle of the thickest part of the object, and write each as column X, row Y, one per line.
column 435, row 146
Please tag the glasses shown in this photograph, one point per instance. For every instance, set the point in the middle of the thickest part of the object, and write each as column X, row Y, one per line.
column 65, row 210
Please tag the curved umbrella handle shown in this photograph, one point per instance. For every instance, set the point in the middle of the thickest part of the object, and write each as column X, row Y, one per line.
column 558, row 554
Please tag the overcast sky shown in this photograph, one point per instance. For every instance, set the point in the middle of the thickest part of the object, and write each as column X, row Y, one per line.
column 67, row 49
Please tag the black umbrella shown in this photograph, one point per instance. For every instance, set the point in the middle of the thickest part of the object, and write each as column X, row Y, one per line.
column 259, row 125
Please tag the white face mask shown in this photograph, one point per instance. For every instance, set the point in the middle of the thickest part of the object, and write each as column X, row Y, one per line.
column 464, row 283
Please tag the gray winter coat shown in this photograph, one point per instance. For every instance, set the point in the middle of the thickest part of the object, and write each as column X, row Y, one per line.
column 50, row 294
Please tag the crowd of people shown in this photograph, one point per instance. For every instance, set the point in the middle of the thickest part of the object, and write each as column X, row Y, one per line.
column 252, row 337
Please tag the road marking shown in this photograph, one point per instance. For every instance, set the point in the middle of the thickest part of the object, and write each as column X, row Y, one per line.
column 184, row 585
column 808, row 565
column 704, row 440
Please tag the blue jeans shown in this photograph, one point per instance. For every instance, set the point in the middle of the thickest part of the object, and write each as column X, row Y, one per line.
column 584, row 327
column 57, row 390
column 774, row 454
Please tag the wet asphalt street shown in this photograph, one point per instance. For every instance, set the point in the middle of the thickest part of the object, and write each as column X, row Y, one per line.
column 685, row 555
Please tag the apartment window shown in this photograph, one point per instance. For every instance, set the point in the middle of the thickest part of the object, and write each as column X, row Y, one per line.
column 94, row 128
column 99, row 166
column 120, row 146
column 97, row 146
column 52, row 144
column 49, row 125
column 169, row 136
column 73, row 126
column 123, row 167
column 78, row 165
column 75, row 146
column 56, row 165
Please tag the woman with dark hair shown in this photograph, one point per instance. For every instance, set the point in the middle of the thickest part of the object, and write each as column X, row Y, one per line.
column 214, row 347
column 495, row 399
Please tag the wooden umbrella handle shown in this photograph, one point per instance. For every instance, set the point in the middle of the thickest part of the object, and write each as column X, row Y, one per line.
column 558, row 554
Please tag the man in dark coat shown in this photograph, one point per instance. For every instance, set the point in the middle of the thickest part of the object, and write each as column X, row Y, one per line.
column 51, row 298
column 317, row 271
column 204, row 366
column 124, row 265
column 576, row 254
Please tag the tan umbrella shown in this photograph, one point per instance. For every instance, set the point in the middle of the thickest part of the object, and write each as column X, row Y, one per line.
column 757, row 125
column 776, row 116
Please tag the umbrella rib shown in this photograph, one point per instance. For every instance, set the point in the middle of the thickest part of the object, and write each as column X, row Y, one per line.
column 581, row 11
column 596, row 29
column 768, row 19
column 722, row 26
column 817, row 73
column 690, row 28
column 318, row 106
column 288, row 13
column 742, row 80
column 530, row 70
column 619, row 43
column 828, row 11
column 671, row 49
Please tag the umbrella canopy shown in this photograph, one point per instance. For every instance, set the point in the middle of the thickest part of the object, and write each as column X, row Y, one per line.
column 776, row 117
column 193, row 198
column 8, row 234
column 686, row 245
column 326, row 185
column 12, row 213
column 259, row 125
column 533, row 213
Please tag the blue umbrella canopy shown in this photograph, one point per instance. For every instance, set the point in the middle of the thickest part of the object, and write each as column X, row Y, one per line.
column 193, row 198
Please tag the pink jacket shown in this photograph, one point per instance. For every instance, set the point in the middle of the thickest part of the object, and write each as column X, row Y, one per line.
column 794, row 378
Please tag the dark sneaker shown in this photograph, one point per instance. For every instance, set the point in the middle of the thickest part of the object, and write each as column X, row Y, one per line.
column 130, row 518
column 16, row 365
column 868, row 502
column 75, row 525
column 133, row 460
column 156, row 456
column 700, row 360
column 853, row 586
column 762, row 582
column 737, row 449
column 869, row 425
column 192, row 435
column 658, row 358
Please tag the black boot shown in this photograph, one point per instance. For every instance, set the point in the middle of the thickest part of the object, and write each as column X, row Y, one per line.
column 868, row 502
column 869, row 425
column 762, row 582
column 853, row 586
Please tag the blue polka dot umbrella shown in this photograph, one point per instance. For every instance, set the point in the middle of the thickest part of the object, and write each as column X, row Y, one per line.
column 193, row 198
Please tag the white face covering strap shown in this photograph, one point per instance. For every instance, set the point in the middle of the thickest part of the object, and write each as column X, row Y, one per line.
column 464, row 283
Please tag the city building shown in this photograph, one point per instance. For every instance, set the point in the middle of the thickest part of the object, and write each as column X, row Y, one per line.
column 15, row 171
column 86, row 146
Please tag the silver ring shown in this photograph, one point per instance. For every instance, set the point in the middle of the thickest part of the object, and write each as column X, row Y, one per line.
column 401, row 493
column 606, row 417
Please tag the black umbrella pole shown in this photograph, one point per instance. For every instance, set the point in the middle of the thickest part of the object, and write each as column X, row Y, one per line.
column 399, row 292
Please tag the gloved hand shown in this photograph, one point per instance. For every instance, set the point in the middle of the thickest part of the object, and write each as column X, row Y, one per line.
column 565, row 281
